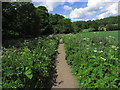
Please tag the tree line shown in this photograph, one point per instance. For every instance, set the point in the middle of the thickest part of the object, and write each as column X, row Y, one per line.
column 105, row 24
column 23, row 19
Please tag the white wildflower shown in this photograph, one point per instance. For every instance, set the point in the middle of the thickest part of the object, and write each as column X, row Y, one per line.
column 113, row 46
column 100, row 42
column 103, row 58
column 100, row 51
column 87, row 39
column 95, row 50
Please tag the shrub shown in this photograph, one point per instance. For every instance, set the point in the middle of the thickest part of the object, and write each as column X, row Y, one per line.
column 29, row 66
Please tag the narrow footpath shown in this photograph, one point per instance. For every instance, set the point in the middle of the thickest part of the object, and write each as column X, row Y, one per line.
column 64, row 79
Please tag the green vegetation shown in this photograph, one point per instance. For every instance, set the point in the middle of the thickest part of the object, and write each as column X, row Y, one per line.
column 31, row 65
column 30, row 43
column 106, row 24
column 23, row 19
column 94, row 59
column 103, row 33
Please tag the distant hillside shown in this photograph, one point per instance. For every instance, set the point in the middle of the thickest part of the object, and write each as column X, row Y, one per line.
column 106, row 24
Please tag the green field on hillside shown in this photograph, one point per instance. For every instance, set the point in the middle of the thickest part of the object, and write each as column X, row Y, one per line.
column 114, row 34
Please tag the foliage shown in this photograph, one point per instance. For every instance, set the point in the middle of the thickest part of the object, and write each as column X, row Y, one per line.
column 111, row 27
column 77, row 26
column 28, row 64
column 31, row 65
column 42, row 20
column 54, row 21
column 109, row 24
column 94, row 59
column 64, row 26
column 23, row 18
column 11, row 16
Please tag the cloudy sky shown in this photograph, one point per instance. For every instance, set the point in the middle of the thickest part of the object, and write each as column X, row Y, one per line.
column 80, row 9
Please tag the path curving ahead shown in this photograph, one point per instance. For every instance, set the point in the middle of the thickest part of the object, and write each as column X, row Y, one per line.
column 64, row 79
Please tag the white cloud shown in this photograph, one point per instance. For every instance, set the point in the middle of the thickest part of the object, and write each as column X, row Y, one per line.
column 103, row 15
column 67, row 7
column 59, row 0
column 109, row 7
column 51, row 4
column 111, row 10
column 95, row 7
column 82, row 13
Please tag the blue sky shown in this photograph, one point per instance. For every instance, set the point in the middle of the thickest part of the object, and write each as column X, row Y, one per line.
column 80, row 9
column 60, row 9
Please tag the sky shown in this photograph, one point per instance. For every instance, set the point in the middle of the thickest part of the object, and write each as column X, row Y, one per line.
column 80, row 10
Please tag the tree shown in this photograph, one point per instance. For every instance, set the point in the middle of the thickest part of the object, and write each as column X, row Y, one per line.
column 25, row 19
column 112, row 27
column 18, row 17
column 54, row 21
column 9, row 15
column 77, row 26
column 64, row 26
column 42, row 20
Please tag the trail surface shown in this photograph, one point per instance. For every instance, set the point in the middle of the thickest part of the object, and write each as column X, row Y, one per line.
column 64, row 79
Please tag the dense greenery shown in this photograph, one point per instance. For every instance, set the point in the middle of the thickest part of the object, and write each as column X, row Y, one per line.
column 31, row 65
column 94, row 59
column 106, row 24
column 28, row 61
column 23, row 19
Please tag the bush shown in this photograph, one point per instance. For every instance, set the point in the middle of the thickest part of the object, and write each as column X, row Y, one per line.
column 29, row 67
column 112, row 27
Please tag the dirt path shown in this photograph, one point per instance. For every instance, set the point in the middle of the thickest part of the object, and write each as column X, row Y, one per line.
column 64, row 79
